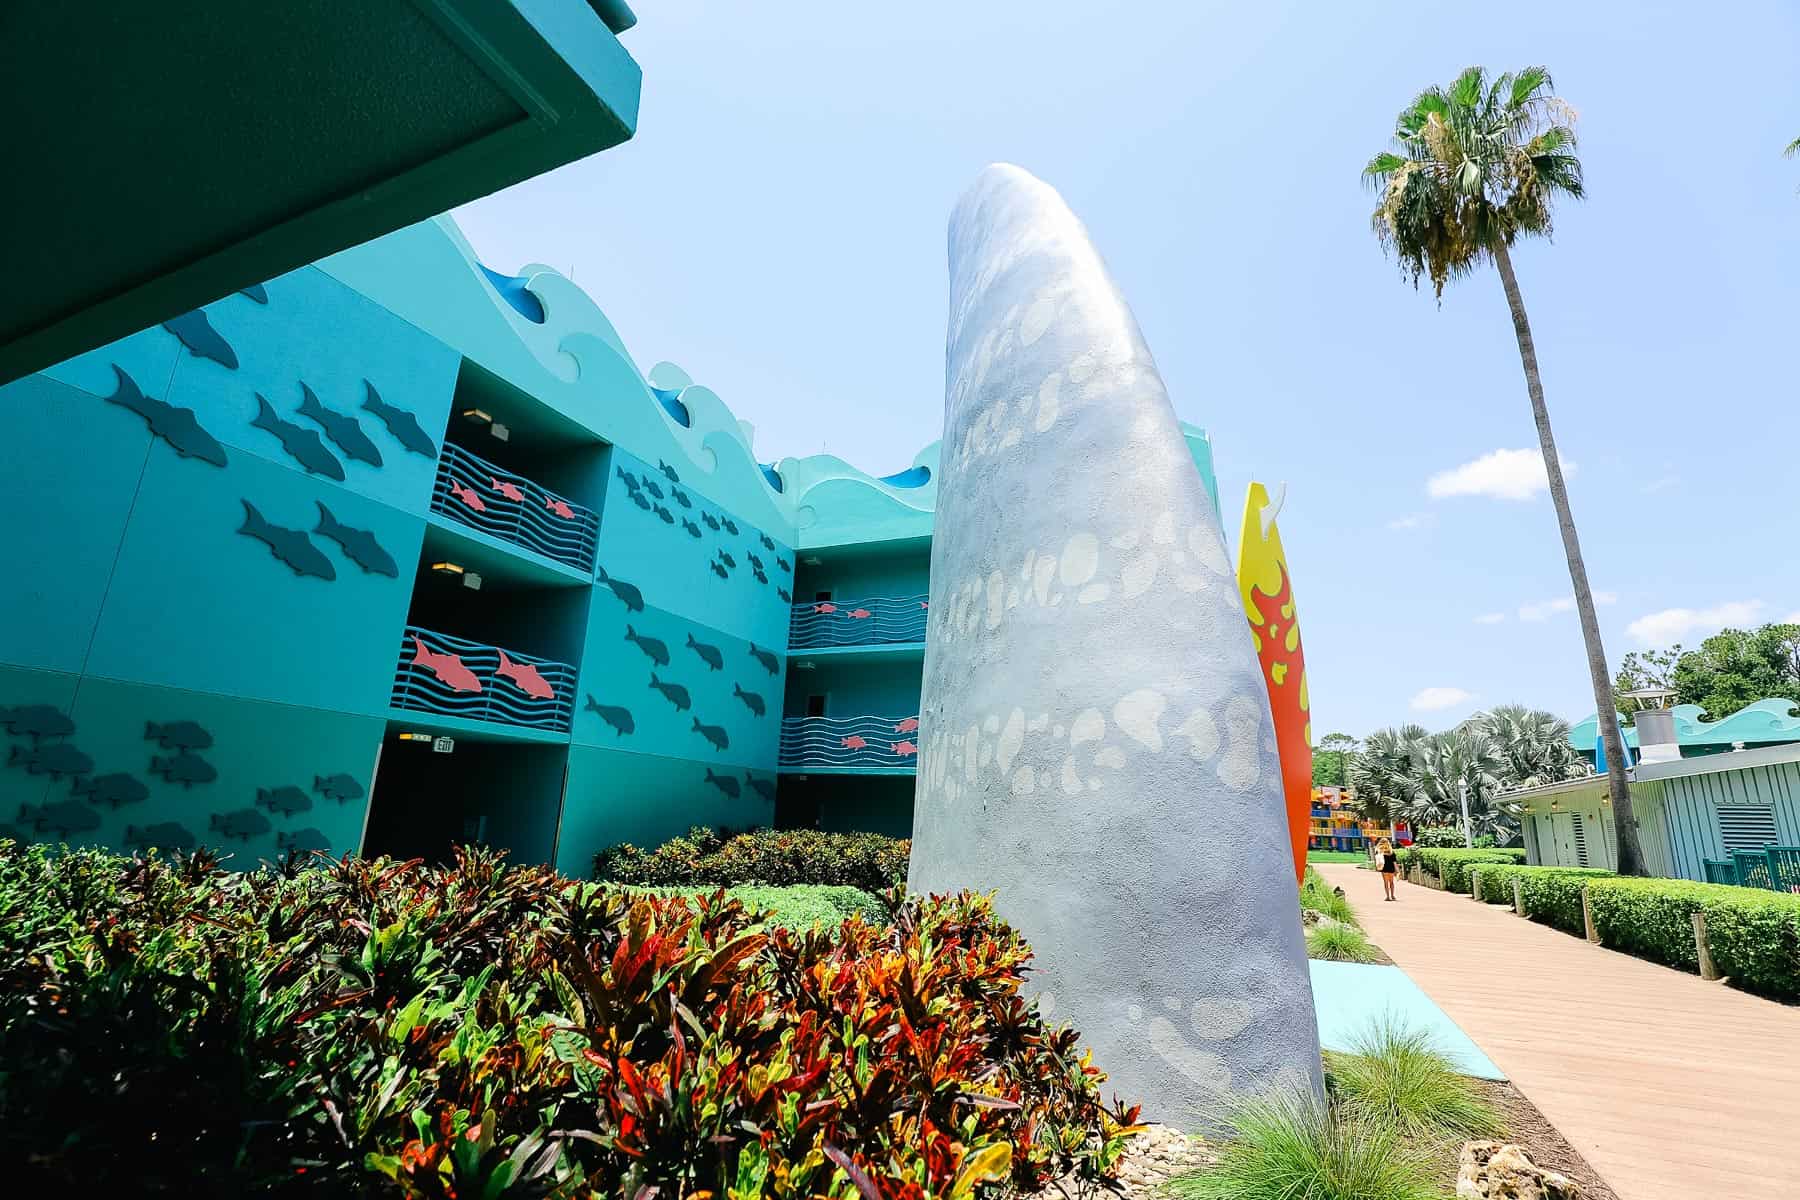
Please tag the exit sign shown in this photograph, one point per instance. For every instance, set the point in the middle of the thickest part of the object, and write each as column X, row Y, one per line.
column 444, row 745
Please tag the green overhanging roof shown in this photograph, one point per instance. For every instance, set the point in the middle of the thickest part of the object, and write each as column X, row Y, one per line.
column 164, row 155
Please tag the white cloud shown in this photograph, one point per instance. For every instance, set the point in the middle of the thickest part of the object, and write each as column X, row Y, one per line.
column 1413, row 521
column 1500, row 474
column 1674, row 624
column 1490, row 618
column 1660, row 485
column 1545, row 609
column 1792, row 618
column 1434, row 699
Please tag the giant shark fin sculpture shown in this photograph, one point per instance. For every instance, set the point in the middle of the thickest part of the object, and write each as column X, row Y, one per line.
column 1099, row 747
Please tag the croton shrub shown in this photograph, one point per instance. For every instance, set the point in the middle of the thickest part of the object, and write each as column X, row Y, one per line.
column 868, row 861
column 371, row 1027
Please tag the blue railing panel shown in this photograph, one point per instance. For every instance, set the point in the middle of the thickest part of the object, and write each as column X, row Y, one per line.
column 474, row 492
column 874, row 621
column 452, row 677
column 891, row 743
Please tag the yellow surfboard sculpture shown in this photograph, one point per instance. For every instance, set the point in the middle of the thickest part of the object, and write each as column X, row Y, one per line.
column 1268, row 591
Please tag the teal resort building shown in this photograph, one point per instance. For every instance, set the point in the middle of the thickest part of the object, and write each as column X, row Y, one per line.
column 394, row 551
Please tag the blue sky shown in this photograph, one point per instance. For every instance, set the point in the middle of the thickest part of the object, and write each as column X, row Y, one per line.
column 777, row 228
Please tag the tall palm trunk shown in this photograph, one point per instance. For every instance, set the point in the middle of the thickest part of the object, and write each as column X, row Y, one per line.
column 1630, row 856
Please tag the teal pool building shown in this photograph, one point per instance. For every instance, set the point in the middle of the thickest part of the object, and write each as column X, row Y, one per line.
column 395, row 551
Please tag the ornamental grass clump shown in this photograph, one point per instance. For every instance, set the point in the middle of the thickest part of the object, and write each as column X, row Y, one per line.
column 371, row 1027
column 1340, row 943
column 1396, row 1075
column 1317, row 895
column 1293, row 1147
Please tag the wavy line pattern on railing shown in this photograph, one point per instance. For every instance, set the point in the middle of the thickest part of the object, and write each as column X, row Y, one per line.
column 452, row 677
column 868, row 741
column 874, row 621
column 474, row 492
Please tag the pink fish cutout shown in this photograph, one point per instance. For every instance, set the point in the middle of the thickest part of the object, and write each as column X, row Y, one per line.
column 857, row 614
column 854, row 742
column 907, row 726
column 509, row 490
column 447, row 667
column 526, row 676
column 825, row 608
column 559, row 507
column 924, row 604
column 467, row 496
column 903, row 749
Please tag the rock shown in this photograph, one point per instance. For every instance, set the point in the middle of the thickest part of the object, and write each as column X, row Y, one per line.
column 1152, row 1157
column 1503, row 1171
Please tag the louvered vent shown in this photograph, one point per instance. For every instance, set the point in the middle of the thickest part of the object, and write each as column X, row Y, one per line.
column 1746, row 826
column 1581, row 855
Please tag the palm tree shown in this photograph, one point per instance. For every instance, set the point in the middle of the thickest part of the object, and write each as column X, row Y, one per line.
column 1532, row 745
column 1384, row 773
column 1447, row 764
column 1474, row 167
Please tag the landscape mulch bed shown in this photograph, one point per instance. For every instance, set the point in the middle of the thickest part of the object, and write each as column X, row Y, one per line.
column 1542, row 1140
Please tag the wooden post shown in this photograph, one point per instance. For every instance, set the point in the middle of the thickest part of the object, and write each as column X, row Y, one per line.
column 1518, row 896
column 1587, row 918
column 1475, row 884
column 1707, row 969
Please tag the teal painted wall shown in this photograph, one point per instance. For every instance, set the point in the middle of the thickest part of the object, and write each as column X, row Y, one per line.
column 616, row 796
column 849, row 803
column 864, row 576
column 855, row 688
column 1687, row 811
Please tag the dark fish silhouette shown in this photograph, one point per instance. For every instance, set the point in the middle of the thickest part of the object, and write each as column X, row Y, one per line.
column 166, row 835
column 677, row 695
column 751, row 700
column 70, row 816
column 718, row 570
column 762, row 787
column 303, row 445
column 711, row 521
column 185, row 769
column 244, row 823
column 760, row 577
column 692, row 529
column 770, row 663
column 668, row 471
column 783, row 593
column 359, row 544
column 341, row 428
column 727, row 559
column 611, row 714
column 37, row 720
column 668, row 518
column 402, row 424
column 657, row 652
column 783, row 563
column 256, row 292
column 302, row 841
column 285, row 800
column 115, row 789
column 177, row 426
column 751, row 558
column 633, row 598
column 767, row 544
column 641, row 500
column 183, row 735
column 291, row 546
column 712, row 733
column 55, row 760
column 631, row 481
column 708, row 654
column 339, row 787
column 681, row 497
column 654, row 488
column 203, row 341
column 725, row 783
column 730, row 525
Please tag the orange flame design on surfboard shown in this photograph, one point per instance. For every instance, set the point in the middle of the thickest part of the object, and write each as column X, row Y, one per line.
column 1268, row 596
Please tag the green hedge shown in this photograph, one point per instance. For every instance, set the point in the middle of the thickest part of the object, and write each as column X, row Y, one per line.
column 1452, row 866
column 798, row 907
column 709, row 857
column 1754, row 936
column 1552, row 895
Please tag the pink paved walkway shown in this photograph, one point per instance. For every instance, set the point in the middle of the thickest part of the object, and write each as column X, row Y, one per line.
column 1672, row 1088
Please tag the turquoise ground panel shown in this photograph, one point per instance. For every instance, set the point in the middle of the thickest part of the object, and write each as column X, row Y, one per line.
column 1349, row 997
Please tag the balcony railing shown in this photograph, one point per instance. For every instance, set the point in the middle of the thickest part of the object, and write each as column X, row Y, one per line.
column 875, row 621
column 451, row 677
column 473, row 491
column 822, row 743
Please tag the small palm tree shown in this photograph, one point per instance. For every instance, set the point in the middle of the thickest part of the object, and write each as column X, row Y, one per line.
column 1383, row 773
column 1475, row 167
column 1533, row 745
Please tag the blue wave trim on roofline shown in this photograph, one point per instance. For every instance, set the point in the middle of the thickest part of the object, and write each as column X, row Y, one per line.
column 912, row 477
column 671, row 402
column 512, row 289
column 1770, row 720
column 772, row 475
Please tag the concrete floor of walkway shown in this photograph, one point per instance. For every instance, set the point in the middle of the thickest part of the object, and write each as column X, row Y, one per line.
column 1672, row 1088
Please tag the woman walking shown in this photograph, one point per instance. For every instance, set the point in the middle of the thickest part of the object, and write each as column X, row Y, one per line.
column 1388, row 863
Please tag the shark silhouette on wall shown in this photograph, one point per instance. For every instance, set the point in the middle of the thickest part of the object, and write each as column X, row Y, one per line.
column 176, row 426
column 359, row 544
column 193, row 330
column 291, row 546
column 401, row 423
column 303, row 445
column 341, row 428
